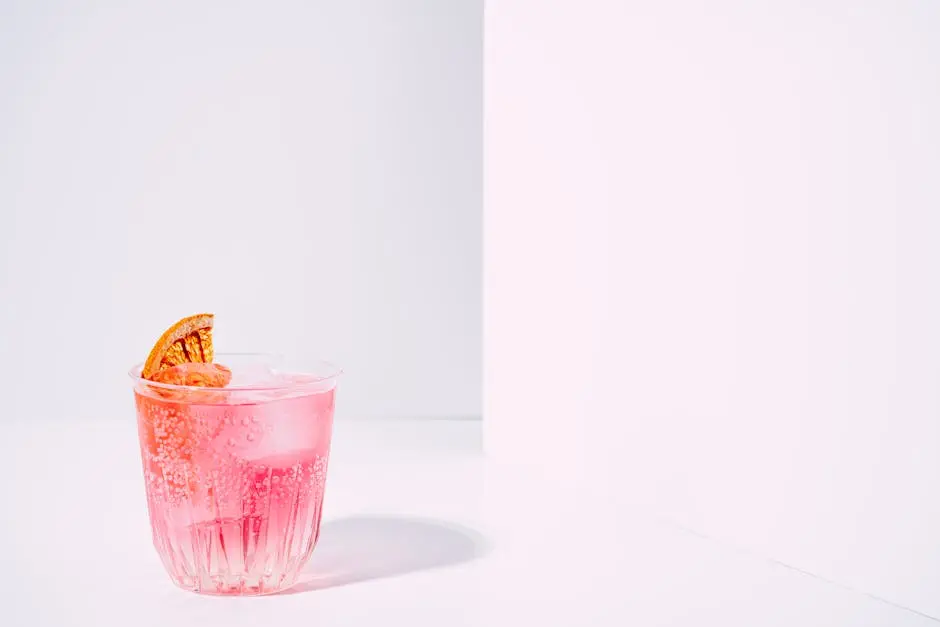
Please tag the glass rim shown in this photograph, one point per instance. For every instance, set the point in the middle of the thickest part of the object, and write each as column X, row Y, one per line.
column 332, row 372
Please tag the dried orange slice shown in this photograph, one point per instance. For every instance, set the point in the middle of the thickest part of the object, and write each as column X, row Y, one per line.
column 195, row 375
column 187, row 341
column 171, row 430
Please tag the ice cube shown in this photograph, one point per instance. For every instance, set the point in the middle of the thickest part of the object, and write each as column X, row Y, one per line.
column 253, row 375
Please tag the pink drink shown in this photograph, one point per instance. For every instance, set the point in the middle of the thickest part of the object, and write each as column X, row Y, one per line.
column 235, row 476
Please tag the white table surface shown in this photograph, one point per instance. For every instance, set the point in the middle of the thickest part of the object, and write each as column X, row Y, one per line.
column 418, row 529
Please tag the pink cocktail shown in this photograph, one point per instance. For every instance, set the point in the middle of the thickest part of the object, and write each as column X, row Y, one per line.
column 235, row 476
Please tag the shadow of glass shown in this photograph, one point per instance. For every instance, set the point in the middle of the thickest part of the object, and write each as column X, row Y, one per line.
column 362, row 548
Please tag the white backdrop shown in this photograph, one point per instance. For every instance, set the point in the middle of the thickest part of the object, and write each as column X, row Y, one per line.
column 728, row 308
column 308, row 171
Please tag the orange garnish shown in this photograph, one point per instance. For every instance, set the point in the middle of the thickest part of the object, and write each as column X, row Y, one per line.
column 187, row 341
column 195, row 374
column 171, row 432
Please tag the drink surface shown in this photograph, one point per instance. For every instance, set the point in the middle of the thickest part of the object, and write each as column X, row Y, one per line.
column 235, row 479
